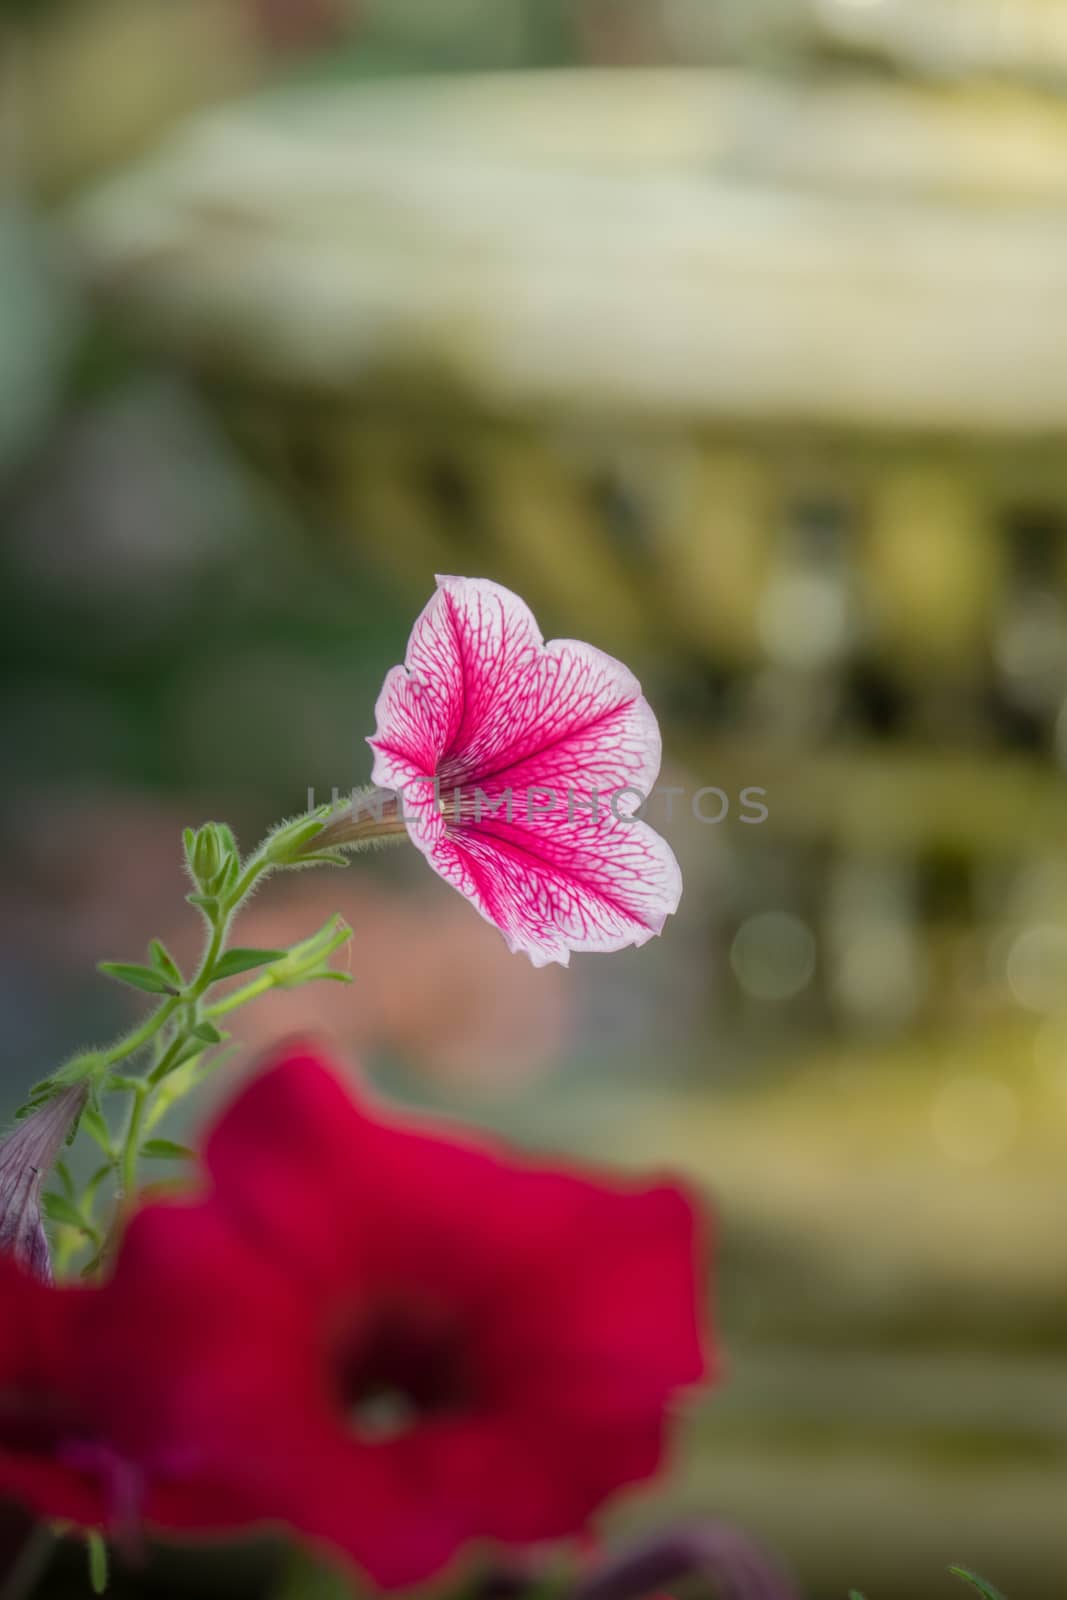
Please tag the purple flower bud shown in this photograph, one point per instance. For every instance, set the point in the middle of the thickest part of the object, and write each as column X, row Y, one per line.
column 26, row 1158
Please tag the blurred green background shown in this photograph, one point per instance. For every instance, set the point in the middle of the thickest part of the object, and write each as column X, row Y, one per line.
column 730, row 332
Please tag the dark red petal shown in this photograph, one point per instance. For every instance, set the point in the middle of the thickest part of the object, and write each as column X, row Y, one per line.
column 51, row 1489
column 40, row 1405
column 359, row 1500
column 578, row 1299
column 622, row 1312
column 285, row 1159
column 186, row 1344
column 549, row 1259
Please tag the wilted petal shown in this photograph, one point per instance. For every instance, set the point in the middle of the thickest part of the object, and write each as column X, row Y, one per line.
column 488, row 710
column 26, row 1157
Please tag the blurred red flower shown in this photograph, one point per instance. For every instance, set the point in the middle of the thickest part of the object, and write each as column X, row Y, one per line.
column 120, row 1404
column 495, row 1343
column 392, row 1338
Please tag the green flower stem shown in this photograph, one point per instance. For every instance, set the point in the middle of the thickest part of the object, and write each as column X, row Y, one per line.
column 305, row 961
column 168, row 1059
column 249, row 991
column 180, row 1031
column 131, row 1143
column 135, row 1041
column 211, row 955
column 188, row 1001
column 368, row 817
column 257, row 865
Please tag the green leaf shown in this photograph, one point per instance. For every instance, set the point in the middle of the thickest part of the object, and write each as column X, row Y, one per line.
column 206, row 1032
column 138, row 977
column 97, row 1553
column 97, row 1129
column 981, row 1584
column 182, row 1080
column 94, row 1183
column 62, row 1172
column 192, row 1047
column 238, row 960
column 207, row 903
column 121, row 1084
column 163, row 962
column 167, row 1150
column 59, row 1209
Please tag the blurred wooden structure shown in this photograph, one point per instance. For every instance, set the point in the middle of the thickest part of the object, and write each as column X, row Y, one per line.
column 763, row 379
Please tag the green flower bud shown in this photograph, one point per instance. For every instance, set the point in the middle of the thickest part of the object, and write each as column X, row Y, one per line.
column 212, row 857
column 207, row 855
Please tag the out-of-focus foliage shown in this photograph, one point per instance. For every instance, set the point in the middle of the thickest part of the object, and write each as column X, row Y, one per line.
column 37, row 327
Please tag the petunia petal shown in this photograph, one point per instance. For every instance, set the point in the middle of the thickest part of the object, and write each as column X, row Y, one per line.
column 37, row 1406
column 204, row 1385
column 481, row 695
column 285, row 1160
column 580, row 1302
column 554, row 883
column 521, row 765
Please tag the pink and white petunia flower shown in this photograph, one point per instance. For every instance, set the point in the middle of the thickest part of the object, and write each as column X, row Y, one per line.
column 521, row 765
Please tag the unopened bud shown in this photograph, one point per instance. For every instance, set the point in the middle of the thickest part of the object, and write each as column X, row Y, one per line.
column 26, row 1157
column 207, row 857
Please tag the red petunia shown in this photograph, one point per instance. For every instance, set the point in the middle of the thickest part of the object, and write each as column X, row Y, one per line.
column 121, row 1405
column 497, row 1342
column 392, row 1338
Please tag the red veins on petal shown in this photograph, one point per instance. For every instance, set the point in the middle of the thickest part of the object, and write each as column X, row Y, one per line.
column 485, row 707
